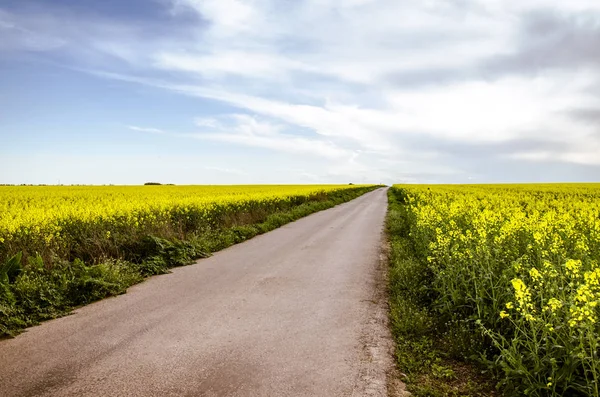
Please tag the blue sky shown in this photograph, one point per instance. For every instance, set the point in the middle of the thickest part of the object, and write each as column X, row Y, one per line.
column 306, row 91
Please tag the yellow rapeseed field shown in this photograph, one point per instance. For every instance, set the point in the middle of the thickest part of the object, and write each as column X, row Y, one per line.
column 64, row 246
column 47, row 218
column 34, row 208
column 522, row 262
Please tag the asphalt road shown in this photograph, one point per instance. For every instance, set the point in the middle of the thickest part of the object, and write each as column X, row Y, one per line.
column 288, row 313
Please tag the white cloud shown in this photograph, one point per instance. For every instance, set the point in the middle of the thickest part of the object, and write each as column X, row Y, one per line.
column 227, row 17
column 224, row 63
column 331, row 121
column 146, row 129
column 241, row 129
column 577, row 154
column 490, row 111
column 283, row 143
column 361, row 83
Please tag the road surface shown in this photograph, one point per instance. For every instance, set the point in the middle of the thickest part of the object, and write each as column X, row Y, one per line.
column 294, row 312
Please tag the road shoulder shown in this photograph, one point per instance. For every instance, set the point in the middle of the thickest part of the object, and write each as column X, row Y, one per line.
column 379, row 375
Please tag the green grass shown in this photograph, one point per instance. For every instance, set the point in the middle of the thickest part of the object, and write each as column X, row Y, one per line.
column 430, row 355
column 34, row 292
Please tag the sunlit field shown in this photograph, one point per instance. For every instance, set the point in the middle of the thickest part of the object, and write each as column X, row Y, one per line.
column 53, row 220
column 512, row 275
column 62, row 246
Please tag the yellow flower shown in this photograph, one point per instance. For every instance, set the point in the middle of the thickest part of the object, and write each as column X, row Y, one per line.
column 573, row 266
column 553, row 305
column 535, row 274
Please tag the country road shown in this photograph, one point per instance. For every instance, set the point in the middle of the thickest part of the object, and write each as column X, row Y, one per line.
column 299, row 311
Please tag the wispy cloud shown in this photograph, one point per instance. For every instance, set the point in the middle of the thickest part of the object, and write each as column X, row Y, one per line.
column 241, row 129
column 449, row 88
column 146, row 129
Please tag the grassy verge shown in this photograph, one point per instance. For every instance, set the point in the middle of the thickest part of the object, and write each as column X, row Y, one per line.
column 429, row 353
column 35, row 291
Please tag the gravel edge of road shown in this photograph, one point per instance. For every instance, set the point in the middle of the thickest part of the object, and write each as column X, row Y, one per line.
column 379, row 375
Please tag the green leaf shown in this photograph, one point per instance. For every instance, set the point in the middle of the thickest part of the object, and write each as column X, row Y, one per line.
column 11, row 269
